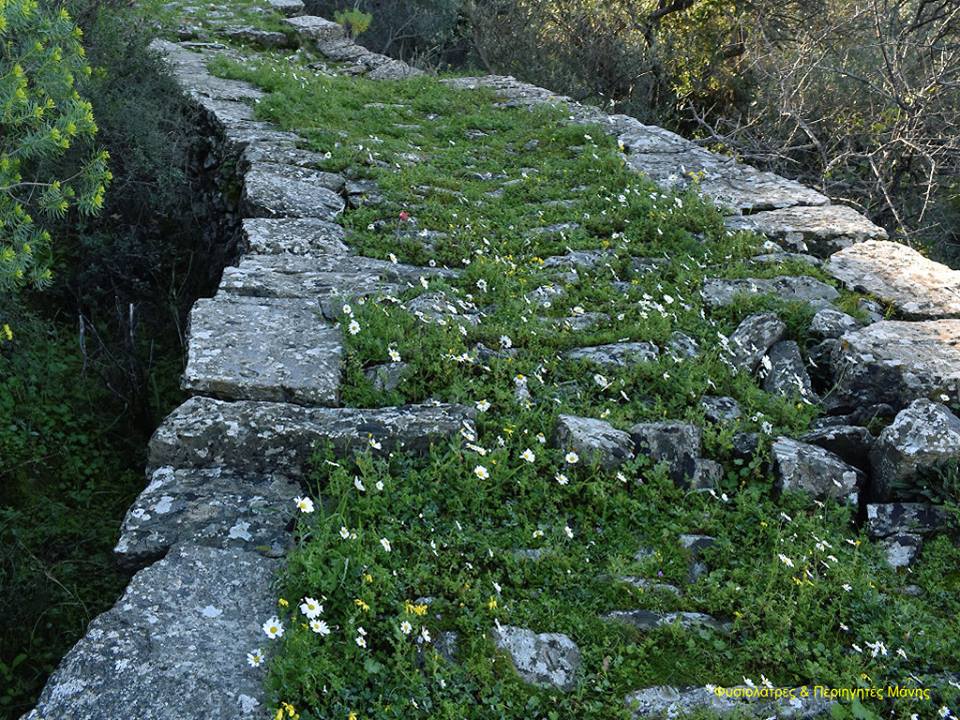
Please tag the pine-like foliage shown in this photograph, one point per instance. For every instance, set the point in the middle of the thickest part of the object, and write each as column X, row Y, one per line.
column 42, row 117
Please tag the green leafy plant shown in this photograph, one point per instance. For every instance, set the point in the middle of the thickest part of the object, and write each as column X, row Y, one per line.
column 355, row 21
column 42, row 117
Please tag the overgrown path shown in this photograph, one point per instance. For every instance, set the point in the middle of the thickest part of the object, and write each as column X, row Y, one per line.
column 562, row 437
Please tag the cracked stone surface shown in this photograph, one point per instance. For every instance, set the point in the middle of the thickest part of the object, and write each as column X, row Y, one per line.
column 276, row 190
column 266, row 437
column 787, row 374
column 206, row 507
column 263, row 349
column 181, row 631
column 922, row 438
column 886, row 519
column 545, row 659
column 896, row 362
column 293, row 236
column 809, row 468
column 832, row 323
column 819, row 231
column 593, row 440
column 647, row 620
column 797, row 288
column 753, row 337
column 676, row 443
column 917, row 287
column 616, row 354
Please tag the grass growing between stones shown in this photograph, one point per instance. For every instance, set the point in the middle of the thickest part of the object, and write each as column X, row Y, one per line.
column 401, row 551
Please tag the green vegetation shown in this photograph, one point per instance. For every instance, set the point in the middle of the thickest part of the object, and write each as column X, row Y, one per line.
column 406, row 548
column 42, row 116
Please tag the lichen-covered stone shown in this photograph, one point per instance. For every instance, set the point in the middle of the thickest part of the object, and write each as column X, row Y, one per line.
column 545, row 659
column 897, row 362
column 206, row 507
column 439, row 309
column 832, row 323
column 265, row 437
column 819, row 231
column 720, row 409
column 386, row 377
column 316, row 28
column 263, row 349
column 851, row 443
column 917, row 287
column 272, row 190
column 681, row 345
column 784, row 372
column 901, row 550
column 797, row 288
column 616, row 354
column 177, row 639
column 921, row 440
column 799, row 466
column 886, row 519
column 593, row 440
column 751, row 340
column 675, row 443
column 293, row 236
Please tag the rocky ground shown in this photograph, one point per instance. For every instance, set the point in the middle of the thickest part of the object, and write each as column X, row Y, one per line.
column 574, row 417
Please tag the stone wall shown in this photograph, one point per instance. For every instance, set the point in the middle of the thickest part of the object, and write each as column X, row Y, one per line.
column 212, row 526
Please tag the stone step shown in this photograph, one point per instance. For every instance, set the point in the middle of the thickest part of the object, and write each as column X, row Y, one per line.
column 917, row 287
column 719, row 292
column 251, row 438
column 207, row 507
column 273, row 190
column 665, row 703
column 293, row 236
column 818, row 231
column 896, row 362
column 263, row 349
column 175, row 646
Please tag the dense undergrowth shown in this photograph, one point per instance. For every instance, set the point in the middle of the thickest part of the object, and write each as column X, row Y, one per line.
column 400, row 551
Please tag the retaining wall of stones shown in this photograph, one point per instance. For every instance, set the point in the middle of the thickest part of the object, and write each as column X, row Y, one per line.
column 212, row 526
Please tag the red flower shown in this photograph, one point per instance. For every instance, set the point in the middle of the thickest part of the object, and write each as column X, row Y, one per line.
column 404, row 215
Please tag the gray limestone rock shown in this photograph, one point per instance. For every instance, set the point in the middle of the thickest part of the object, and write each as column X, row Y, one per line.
column 547, row 659
column 616, row 354
column 316, row 28
column 583, row 321
column 289, row 8
column 820, row 362
column 784, row 372
column 831, row 323
column 675, row 443
column 646, row 620
column 206, row 507
column 273, row 190
column 851, row 443
column 545, row 295
column 682, row 345
column 886, row 519
column 752, row 338
column 293, row 236
column 579, row 259
column 707, row 474
column 695, row 545
column 265, row 437
column 917, row 287
column 797, row 288
column 799, row 466
column 593, row 440
column 388, row 376
column 667, row 703
column 439, row 309
column 819, row 230
column 898, row 362
column 921, row 440
column 720, row 409
column 177, row 638
column 901, row 550
column 255, row 36
column 651, row 585
column 263, row 349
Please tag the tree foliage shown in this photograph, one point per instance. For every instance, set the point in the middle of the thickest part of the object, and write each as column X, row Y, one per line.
column 42, row 119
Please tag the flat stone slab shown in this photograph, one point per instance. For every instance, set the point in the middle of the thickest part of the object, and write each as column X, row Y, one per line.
column 818, row 231
column 917, row 287
column 650, row 620
column 293, row 236
column 544, row 659
column 287, row 7
column 886, row 519
column 666, row 703
column 316, row 28
column 174, row 646
column 897, row 362
column 265, row 437
column 276, row 190
column 207, row 507
column 616, row 354
column 796, row 288
column 263, row 349
column 593, row 440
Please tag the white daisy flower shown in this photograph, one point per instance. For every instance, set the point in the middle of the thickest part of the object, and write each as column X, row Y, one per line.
column 572, row 458
column 481, row 472
column 320, row 627
column 394, row 355
column 385, row 543
column 304, row 504
column 255, row 658
column 354, row 327
column 406, row 628
column 344, row 533
column 561, row 479
column 483, row 405
column 273, row 628
column 311, row 608
column 528, row 455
